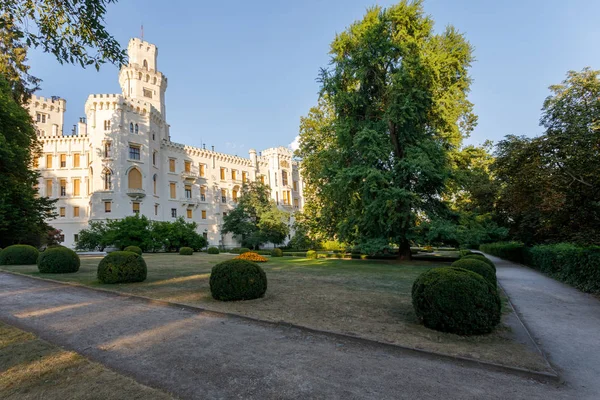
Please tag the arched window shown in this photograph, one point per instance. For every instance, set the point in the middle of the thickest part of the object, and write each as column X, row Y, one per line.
column 137, row 129
column 154, row 80
column 147, row 78
column 145, row 64
column 107, row 179
column 131, row 127
column 154, row 182
column 134, row 179
column 140, row 76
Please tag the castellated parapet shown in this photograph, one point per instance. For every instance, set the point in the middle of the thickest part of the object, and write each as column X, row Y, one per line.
column 119, row 160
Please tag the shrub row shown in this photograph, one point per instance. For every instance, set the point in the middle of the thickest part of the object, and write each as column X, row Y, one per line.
column 576, row 266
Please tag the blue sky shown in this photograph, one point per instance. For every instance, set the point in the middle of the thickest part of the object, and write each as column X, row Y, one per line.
column 242, row 73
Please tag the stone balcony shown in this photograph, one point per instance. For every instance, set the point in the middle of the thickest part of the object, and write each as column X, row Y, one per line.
column 136, row 193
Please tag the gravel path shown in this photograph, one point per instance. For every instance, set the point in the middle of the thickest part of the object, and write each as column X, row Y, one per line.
column 196, row 355
column 564, row 322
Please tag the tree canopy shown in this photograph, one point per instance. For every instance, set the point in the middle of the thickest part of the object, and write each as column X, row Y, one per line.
column 393, row 105
column 256, row 220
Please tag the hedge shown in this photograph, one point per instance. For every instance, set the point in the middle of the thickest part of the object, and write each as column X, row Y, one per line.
column 311, row 254
column 294, row 253
column 58, row 260
column 479, row 257
column 186, row 251
column 212, row 250
column 19, row 254
column 237, row 280
column 457, row 301
column 513, row 251
column 122, row 267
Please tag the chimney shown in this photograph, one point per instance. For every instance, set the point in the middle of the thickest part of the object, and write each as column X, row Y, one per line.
column 213, row 148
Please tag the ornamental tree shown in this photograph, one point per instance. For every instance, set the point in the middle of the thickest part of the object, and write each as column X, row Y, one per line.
column 398, row 95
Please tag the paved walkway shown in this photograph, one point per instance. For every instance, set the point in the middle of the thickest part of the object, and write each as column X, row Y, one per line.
column 202, row 355
column 564, row 321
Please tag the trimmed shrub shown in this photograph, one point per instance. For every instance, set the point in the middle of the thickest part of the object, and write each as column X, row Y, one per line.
column 122, row 267
column 479, row 267
column 262, row 252
column 251, row 256
column 512, row 251
column 311, row 254
column 276, row 253
column 237, row 280
column 186, row 251
column 134, row 249
column 212, row 250
column 19, row 254
column 457, row 301
column 235, row 250
column 243, row 250
column 58, row 260
column 480, row 258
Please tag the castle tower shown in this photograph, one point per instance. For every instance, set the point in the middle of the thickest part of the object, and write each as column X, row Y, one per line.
column 140, row 79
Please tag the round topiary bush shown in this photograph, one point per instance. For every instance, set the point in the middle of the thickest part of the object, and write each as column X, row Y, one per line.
column 186, row 251
column 481, row 258
column 244, row 250
column 19, row 254
column 58, row 260
column 237, row 280
column 457, row 301
column 479, row 267
column 212, row 250
column 122, row 267
column 276, row 253
column 311, row 254
column 134, row 249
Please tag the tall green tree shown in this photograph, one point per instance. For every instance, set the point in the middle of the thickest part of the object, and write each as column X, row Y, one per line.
column 22, row 212
column 551, row 183
column 73, row 31
column 399, row 95
column 256, row 220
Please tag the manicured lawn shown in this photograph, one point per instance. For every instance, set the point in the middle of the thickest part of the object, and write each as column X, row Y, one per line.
column 366, row 298
column 32, row 368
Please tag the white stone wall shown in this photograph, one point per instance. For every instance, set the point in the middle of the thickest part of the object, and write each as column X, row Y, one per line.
column 133, row 119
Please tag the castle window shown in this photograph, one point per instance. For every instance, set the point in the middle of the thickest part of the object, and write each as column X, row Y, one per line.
column 244, row 176
column 135, row 207
column 147, row 78
column 233, row 174
column 107, row 150
column 131, row 127
column 153, row 136
column 171, row 165
column 63, row 187
column 295, row 186
column 48, row 187
column 107, row 179
column 187, row 166
column 188, row 191
column 222, row 174
column 223, row 196
column 76, row 186
column 284, row 178
column 76, row 161
column 154, row 80
column 147, row 93
column 75, row 212
column 137, row 129
column 262, row 179
column 153, row 158
column 134, row 152
column 234, row 195
column 48, row 160
column 201, row 167
column 156, row 209
column 145, row 64
column 202, row 193
column 63, row 161
column 172, row 190
column 134, row 179
column 107, row 206
column 203, row 214
column 107, row 125
column 173, row 212
column 154, row 182
column 62, row 211
column 189, row 213
column 296, row 203
column 41, row 118
column 76, row 237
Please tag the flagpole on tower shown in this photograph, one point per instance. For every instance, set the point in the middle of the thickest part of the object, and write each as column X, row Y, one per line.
column 142, row 32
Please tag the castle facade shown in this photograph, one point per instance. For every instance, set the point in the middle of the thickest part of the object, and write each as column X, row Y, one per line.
column 120, row 161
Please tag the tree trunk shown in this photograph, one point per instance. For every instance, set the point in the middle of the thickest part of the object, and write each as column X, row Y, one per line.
column 404, row 253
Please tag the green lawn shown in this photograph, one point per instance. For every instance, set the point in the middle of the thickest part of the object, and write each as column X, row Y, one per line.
column 366, row 298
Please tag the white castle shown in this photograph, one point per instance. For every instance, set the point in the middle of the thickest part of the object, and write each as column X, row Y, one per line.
column 120, row 160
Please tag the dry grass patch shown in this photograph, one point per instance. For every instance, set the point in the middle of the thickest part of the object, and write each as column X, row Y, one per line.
column 365, row 298
column 35, row 369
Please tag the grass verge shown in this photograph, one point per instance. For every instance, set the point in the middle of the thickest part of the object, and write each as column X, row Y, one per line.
column 35, row 369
